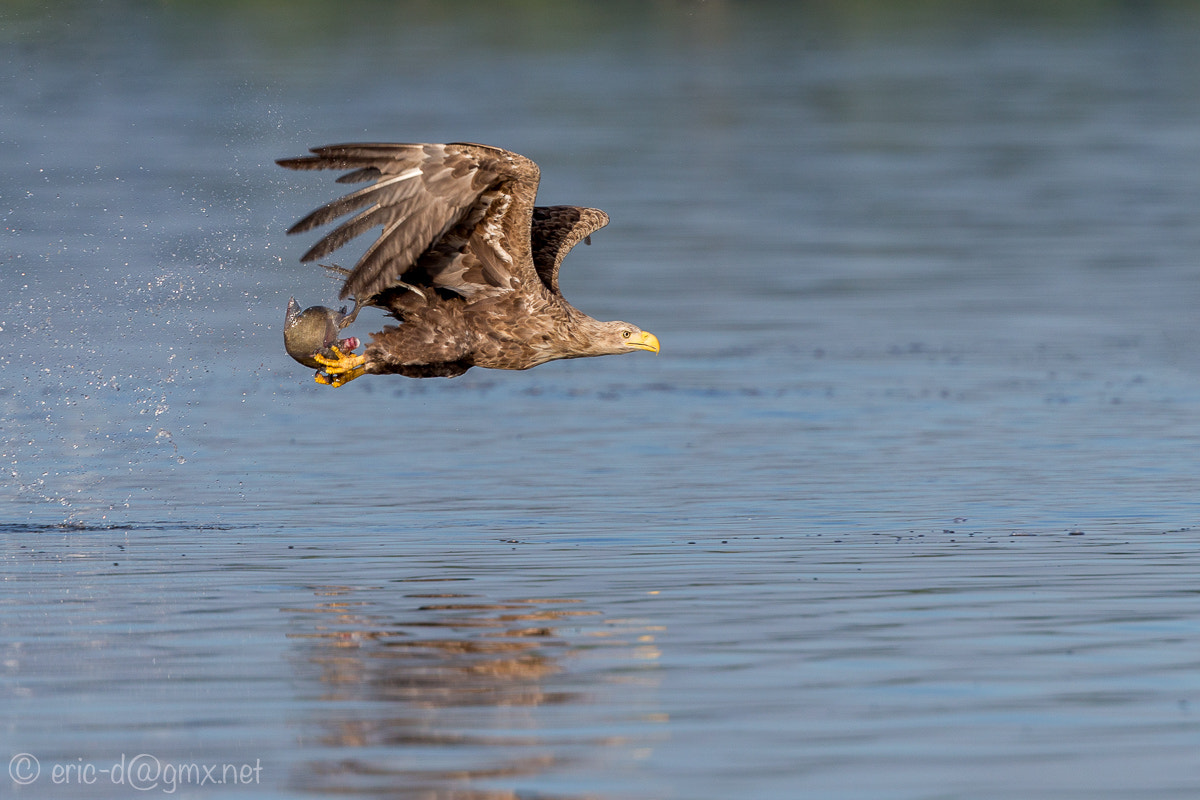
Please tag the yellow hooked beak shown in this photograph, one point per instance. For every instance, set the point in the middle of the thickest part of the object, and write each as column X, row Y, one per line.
column 644, row 341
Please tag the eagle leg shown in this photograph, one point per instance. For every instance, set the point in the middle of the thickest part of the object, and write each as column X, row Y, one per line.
column 338, row 371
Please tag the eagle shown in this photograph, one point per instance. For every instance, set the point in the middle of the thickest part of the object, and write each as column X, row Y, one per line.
column 464, row 261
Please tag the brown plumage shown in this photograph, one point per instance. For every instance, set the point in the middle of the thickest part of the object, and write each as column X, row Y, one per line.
column 464, row 261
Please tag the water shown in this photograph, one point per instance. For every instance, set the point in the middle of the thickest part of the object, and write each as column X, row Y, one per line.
column 905, row 508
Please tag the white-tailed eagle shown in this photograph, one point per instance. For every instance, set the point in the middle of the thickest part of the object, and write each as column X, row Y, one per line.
column 464, row 261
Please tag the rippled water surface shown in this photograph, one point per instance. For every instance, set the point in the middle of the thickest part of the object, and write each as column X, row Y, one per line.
column 906, row 507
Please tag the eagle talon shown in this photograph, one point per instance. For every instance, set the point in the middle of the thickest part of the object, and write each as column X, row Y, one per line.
column 341, row 370
column 340, row 379
column 340, row 363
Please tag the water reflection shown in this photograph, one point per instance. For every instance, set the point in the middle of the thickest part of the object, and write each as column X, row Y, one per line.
column 459, row 695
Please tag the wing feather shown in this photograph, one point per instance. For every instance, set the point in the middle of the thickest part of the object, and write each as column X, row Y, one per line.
column 428, row 200
column 376, row 193
column 555, row 230
column 359, row 175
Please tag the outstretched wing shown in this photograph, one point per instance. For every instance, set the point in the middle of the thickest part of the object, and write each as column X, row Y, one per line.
column 453, row 216
column 556, row 229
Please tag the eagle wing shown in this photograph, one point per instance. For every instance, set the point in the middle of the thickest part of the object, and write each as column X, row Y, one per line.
column 555, row 230
column 453, row 216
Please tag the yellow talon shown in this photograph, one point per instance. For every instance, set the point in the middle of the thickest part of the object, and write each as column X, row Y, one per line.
column 343, row 362
column 338, row 371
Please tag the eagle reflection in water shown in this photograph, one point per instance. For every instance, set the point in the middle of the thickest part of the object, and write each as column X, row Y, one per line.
column 463, row 690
